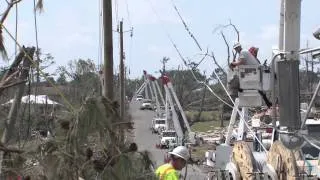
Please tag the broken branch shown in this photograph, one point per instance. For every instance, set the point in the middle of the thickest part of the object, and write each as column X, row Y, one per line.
column 227, row 44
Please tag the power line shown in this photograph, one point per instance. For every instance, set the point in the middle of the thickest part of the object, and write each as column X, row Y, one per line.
column 186, row 26
column 180, row 54
column 116, row 8
column 36, row 27
column 128, row 13
column 16, row 30
column 184, row 61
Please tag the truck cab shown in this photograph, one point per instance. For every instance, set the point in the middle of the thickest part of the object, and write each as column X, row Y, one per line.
column 168, row 139
column 158, row 125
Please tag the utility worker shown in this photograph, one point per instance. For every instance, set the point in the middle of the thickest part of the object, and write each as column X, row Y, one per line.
column 178, row 160
column 254, row 51
column 245, row 57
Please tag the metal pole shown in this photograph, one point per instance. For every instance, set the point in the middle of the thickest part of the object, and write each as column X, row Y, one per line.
column 176, row 123
column 232, row 121
column 180, row 107
column 160, row 92
column 122, row 93
column 151, row 91
column 108, row 49
column 310, row 105
column 281, row 26
column 146, row 89
column 156, row 96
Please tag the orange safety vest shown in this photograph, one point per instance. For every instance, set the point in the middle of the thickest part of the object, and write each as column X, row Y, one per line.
column 167, row 172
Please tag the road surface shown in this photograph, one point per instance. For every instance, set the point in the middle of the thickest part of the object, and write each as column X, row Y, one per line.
column 147, row 141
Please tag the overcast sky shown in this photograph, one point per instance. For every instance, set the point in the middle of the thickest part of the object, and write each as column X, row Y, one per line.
column 70, row 29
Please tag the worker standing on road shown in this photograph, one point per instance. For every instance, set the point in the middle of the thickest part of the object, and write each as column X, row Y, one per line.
column 178, row 160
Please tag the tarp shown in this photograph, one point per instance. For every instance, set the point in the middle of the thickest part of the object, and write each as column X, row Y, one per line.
column 32, row 99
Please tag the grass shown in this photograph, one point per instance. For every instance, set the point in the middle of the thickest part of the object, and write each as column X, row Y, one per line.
column 205, row 115
column 207, row 125
column 198, row 152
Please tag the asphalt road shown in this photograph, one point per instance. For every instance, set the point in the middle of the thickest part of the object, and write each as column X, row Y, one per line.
column 147, row 141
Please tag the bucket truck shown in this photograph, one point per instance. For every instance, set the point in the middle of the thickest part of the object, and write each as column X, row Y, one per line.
column 182, row 129
column 284, row 159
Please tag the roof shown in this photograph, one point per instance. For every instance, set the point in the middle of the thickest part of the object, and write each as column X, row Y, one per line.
column 39, row 99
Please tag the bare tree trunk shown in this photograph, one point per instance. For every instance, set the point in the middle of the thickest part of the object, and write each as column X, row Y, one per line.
column 221, row 115
column 12, row 116
column 202, row 103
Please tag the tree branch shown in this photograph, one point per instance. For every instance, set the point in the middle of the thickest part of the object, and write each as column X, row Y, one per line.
column 12, row 84
column 3, row 18
column 228, row 48
column 11, row 150
column 6, row 12
column 238, row 37
column 235, row 29
column 215, row 62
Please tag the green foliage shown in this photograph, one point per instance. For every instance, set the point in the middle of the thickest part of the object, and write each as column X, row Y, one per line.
column 206, row 126
column 132, row 85
column 83, row 79
column 51, row 79
column 221, row 74
column 185, row 84
column 62, row 80
column 2, row 71
column 90, row 146
column 205, row 115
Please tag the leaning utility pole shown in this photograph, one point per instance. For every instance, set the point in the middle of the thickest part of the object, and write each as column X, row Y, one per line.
column 108, row 49
column 122, row 95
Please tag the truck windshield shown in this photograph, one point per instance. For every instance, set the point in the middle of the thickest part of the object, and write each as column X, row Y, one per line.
column 147, row 101
column 169, row 134
column 160, row 121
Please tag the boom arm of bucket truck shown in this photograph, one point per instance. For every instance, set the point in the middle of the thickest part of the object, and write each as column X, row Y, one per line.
column 172, row 94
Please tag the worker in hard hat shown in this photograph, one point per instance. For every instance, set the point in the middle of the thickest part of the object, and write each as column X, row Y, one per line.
column 178, row 160
column 245, row 57
column 254, row 51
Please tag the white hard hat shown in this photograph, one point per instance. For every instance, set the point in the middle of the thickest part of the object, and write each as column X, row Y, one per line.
column 181, row 152
column 237, row 44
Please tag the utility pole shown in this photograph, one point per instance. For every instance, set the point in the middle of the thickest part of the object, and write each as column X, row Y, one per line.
column 122, row 94
column 108, row 49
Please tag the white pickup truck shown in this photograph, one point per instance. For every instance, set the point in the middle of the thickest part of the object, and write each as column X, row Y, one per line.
column 158, row 125
column 168, row 139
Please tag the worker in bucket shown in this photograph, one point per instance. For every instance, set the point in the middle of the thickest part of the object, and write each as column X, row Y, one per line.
column 245, row 57
column 178, row 160
column 254, row 51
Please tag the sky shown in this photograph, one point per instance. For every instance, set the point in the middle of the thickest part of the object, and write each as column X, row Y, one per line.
column 70, row 30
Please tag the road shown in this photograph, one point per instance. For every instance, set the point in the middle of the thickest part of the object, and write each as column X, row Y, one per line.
column 147, row 141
